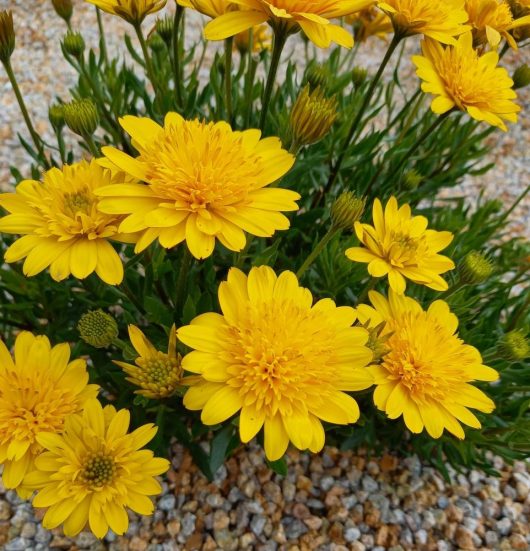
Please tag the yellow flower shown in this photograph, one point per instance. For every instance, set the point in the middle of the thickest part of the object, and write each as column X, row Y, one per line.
column 400, row 246
column 261, row 39
column 441, row 20
column 94, row 470
column 462, row 79
column 211, row 8
column 282, row 362
column 491, row 21
column 370, row 22
column 425, row 377
column 61, row 225
column 157, row 374
column 312, row 17
column 204, row 182
column 39, row 388
column 133, row 11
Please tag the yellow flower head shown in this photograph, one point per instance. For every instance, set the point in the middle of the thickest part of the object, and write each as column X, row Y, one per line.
column 211, row 8
column 61, row 225
column 94, row 470
column 157, row 374
column 461, row 79
column 442, row 20
column 426, row 374
column 261, row 39
column 491, row 21
column 204, row 182
column 370, row 22
column 281, row 361
column 310, row 16
column 400, row 246
column 133, row 11
column 39, row 388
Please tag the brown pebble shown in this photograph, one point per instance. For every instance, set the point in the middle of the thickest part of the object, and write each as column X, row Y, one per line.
column 517, row 541
column 221, row 520
column 136, row 544
column 464, row 538
column 313, row 522
column 301, row 511
column 173, row 527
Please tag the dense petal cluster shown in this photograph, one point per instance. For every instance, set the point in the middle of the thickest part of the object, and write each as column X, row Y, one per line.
column 425, row 376
column 133, row 11
column 400, row 246
column 312, row 17
column 157, row 374
column 61, row 225
column 94, row 470
column 39, row 388
column 460, row 78
column 204, row 182
column 281, row 361
column 441, row 20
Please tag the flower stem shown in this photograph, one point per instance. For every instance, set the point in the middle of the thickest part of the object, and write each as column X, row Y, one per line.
column 228, row 77
column 176, row 57
column 147, row 58
column 185, row 264
column 102, row 41
column 446, row 294
column 280, row 37
column 34, row 136
column 91, row 145
column 315, row 253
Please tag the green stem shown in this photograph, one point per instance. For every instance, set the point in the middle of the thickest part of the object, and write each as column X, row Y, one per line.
column 60, row 144
column 185, row 264
column 228, row 77
column 280, row 37
column 102, row 41
column 124, row 288
column 147, row 58
column 34, row 136
column 317, row 251
column 358, row 118
column 91, row 145
column 249, row 89
column 176, row 57
column 446, row 294
column 519, row 313
column 514, row 205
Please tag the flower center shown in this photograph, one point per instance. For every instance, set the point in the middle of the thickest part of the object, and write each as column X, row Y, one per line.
column 78, row 202
column 160, row 370
column 99, row 470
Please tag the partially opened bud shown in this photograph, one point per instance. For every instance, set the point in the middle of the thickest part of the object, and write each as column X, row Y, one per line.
column 81, row 117
column 56, row 116
column 7, row 36
column 317, row 76
column 64, row 9
column 346, row 210
column 156, row 43
column 164, row 27
column 521, row 77
column 74, row 44
column 358, row 76
column 312, row 117
column 514, row 346
column 475, row 268
column 98, row 328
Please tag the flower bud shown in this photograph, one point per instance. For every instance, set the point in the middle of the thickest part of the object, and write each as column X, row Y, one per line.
column 81, row 117
column 98, row 328
column 521, row 77
column 7, row 36
column 312, row 116
column 56, row 116
column 359, row 76
column 412, row 180
column 156, row 43
column 164, row 27
column 346, row 210
column 74, row 44
column 317, row 76
column 475, row 268
column 64, row 9
column 514, row 346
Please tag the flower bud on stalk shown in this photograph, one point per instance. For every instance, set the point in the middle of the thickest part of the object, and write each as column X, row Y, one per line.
column 98, row 328
column 64, row 9
column 346, row 210
column 475, row 268
column 74, row 44
column 317, row 76
column 521, row 77
column 359, row 76
column 164, row 27
column 156, row 43
column 312, row 117
column 7, row 36
column 514, row 346
column 81, row 117
column 56, row 116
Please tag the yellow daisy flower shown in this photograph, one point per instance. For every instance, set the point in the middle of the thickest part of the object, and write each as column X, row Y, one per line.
column 310, row 16
column 133, row 11
column 211, row 8
column 441, row 20
column 370, row 22
column 426, row 374
column 276, row 358
column 157, row 374
column 39, row 388
column 400, row 246
column 61, row 225
column 493, row 20
column 204, row 182
column 94, row 471
column 462, row 79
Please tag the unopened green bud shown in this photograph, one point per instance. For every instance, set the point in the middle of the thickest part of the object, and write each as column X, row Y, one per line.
column 346, row 210
column 317, row 76
column 514, row 346
column 56, row 116
column 358, row 76
column 81, row 117
column 74, row 44
column 164, row 27
column 412, row 180
column 98, row 328
column 312, row 117
column 156, row 43
column 521, row 77
column 7, row 35
column 377, row 342
column 64, row 9
column 475, row 268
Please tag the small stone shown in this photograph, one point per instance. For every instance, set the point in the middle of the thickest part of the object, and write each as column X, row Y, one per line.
column 301, row 511
column 17, row 544
column 352, row 534
column 167, row 502
column 491, row 538
column 85, row 540
column 257, row 524
column 517, row 541
column 42, row 535
column 504, row 526
column 294, row 528
column 358, row 546
column 5, row 510
column 137, row 544
column 246, row 541
column 313, row 522
column 188, row 524
column 369, row 484
column 221, row 520
column 29, row 530
column 464, row 538
column 421, row 537
column 59, row 542
column 215, row 501
column 173, row 527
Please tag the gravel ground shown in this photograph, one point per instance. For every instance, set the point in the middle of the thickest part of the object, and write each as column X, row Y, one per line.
column 333, row 501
